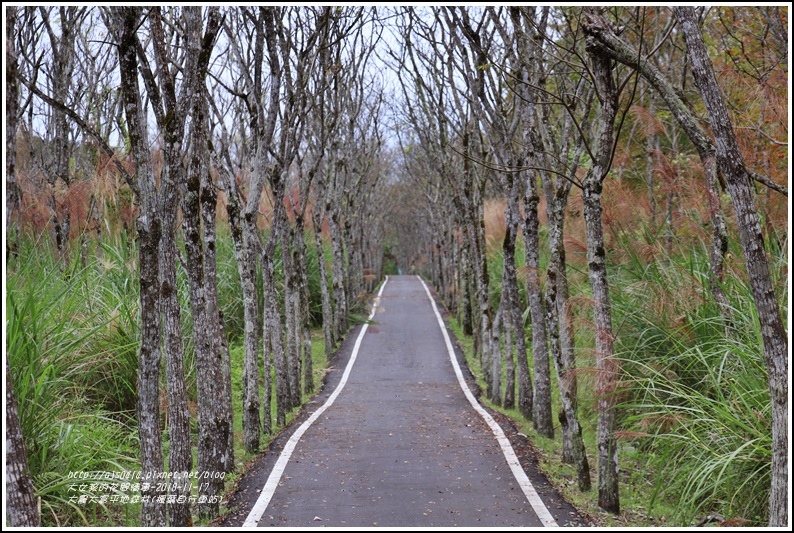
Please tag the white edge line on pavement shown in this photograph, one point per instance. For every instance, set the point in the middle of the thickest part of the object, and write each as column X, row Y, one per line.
column 507, row 449
column 278, row 469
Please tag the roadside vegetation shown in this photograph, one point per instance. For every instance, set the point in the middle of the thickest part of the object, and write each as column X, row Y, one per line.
column 694, row 426
column 73, row 337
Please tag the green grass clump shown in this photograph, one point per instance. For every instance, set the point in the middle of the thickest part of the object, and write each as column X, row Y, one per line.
column 69, row 338
column 693, row 414
column 697, row 403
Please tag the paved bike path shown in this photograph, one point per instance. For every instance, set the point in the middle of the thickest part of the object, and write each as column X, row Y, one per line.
column 401, row 445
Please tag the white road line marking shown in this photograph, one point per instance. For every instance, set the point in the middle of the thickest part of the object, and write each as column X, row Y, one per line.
column 278, row 470
column 510, row 455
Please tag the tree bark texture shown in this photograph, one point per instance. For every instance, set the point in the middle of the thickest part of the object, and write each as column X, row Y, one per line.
column 773, row 332
column 513, row 308
column 212, row 426
column 291, row 313
column 607, row 367
column 20, row 495
column 148, row 227
column 208, row 214
column 303, row 314
column 180, row 458
column 560, row 330
column 328, row 317
column 275, row 350
column 12, row 111
column 541, row 404
column 245, row 253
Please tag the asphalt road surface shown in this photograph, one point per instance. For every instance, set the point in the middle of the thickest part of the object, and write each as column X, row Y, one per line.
column 394, row 441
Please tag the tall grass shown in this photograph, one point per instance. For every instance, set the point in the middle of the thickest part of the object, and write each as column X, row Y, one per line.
column 73, row 337
column 66, row 340
column 696, row 398
column 694, row 414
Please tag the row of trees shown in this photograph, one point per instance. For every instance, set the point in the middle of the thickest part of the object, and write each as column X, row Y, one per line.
column 275, row 116
column 522, row 101
column 268, row 111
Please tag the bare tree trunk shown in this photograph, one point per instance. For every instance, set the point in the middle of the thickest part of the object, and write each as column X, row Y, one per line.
column 20, row 495
column 148, row 225
column 773, row 332
column 513, row 308
column 560, row 329
column 209, row 202
column 466, row 279
column 652, row 145
column 244, row 249
column 63, row 50
column 494, row 364
column 510, row 366
column 290, row 314
column 303, row 315
column 267, row 383
column 719, row 243
column 328, row 317
column 212, row 423
column 541, row 404
column 212, row 438
column 274, row 349
column 340, row 296
column 12, row 119
column 485, row 311
column 606, row 365
column 180, row 458
column 527, row 58
column 21, row 498
column 273, row 328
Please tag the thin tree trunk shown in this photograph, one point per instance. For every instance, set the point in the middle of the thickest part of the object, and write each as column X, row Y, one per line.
column 561, row 340
column 510, row 366
column 148, row 227
column 328, row 317
column 541, row 415
column 290, row 314
column 12, row 119
column 63, row 49
column 275, row 350
column 513, row 308
column 20, row 495
column 303, row 314
column 606, row 365
column 245, row 254
column 274, row 332
column 340, row 296
column 652, row 145
column 466, row 278
column 180, row 458
column 719, row 243
column 486, row 312
column 528, row 32
column 209, row 202
column 773, row 332
column 267, row 340
column 495, row 351
column 212, row 425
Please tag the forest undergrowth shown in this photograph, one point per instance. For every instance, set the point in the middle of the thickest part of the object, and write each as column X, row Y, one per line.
column 694, row 423
column 72, row 340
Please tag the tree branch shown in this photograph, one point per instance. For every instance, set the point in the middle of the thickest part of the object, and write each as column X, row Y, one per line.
column 88, row 130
